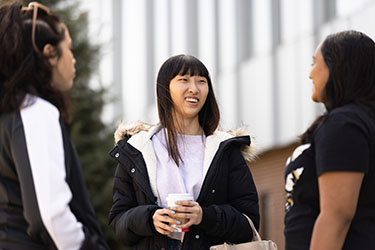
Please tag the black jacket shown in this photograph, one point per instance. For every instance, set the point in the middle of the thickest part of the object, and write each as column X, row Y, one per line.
column 21, row 219
column 228, row 191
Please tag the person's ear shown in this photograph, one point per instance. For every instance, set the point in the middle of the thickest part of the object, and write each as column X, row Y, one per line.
column 50, row 52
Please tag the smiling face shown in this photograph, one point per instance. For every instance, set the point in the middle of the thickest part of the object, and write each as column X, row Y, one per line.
column 188, row 95
column 319, row 74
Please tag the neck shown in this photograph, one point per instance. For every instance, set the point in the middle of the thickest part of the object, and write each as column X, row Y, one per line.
column 189, row 126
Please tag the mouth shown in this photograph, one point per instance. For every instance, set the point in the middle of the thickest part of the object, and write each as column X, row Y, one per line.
column 192, row 99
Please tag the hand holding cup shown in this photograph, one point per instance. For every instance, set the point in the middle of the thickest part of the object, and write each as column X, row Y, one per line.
column 190, row 213
column 162, row 219
column 184, row 210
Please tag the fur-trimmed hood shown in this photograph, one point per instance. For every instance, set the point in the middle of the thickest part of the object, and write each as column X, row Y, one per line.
column 139, row 136
column 133, row 128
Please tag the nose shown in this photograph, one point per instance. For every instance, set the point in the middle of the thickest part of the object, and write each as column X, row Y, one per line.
column 193, row 87
column 74, row 61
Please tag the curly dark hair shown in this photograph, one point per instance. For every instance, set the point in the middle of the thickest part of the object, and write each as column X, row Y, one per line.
column 23, row 69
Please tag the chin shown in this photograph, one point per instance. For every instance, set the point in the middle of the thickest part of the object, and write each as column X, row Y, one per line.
column 66, row 88
column 316, row 99
column 190, row 116
column 69, row 85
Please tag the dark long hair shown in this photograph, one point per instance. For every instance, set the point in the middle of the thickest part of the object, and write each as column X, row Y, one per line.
column 23, row 69
column 209, row 115
column 350, row 58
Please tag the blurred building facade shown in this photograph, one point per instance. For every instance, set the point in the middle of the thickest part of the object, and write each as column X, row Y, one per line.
column 257, row 51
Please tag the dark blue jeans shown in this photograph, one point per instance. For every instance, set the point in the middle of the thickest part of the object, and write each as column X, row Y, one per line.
column 174, row 244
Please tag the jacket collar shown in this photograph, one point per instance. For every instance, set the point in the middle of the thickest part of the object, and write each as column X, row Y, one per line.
column 142, row 142
column 145, row 131
column 212, row 145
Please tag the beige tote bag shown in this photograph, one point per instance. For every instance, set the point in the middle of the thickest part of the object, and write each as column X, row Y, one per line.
column 256, row 244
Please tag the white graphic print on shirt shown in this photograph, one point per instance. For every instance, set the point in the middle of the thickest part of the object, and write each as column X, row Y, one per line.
column 294, row 176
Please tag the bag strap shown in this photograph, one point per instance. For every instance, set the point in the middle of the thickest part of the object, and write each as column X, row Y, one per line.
column 256, row 236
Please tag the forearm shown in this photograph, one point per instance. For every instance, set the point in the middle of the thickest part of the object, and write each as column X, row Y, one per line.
column 339, row 192
column 330, row 231
column 225, row 221
column 137, row 221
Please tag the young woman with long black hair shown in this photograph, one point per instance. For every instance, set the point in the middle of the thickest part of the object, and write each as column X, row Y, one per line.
column 185, row 153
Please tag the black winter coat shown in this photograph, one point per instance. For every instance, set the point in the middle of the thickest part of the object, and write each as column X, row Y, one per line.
column 21, row 217
column 227, row 191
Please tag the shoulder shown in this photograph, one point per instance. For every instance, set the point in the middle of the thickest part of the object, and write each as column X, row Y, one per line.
column 39, row 109
column 128, row 129
column 351, row 112
column 137, row 134
column 10, row 125
column 7, row 119
column 238, row 139
column 349, row 124
column 40, row 118
column 349, row 117
column 36, row 116
column 344, row 140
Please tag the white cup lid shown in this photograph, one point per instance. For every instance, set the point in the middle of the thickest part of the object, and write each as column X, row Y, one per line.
column 179, row 197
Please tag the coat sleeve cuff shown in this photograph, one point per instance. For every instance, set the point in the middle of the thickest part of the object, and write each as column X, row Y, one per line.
column 208, row 218
column 152, row 211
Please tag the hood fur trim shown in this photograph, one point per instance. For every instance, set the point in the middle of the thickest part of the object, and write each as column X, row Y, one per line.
column 132, row 128
column 248, row 152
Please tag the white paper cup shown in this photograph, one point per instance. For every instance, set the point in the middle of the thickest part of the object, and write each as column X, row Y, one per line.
column 171, row 202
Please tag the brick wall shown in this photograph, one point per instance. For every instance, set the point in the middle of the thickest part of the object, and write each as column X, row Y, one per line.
column 268, row 174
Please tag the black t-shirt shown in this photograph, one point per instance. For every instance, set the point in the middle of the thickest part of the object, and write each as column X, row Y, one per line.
column 345, row 141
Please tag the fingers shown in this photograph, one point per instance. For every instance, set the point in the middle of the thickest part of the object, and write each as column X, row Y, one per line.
column 186, row 203
column 190, row 211
column 162, row 221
